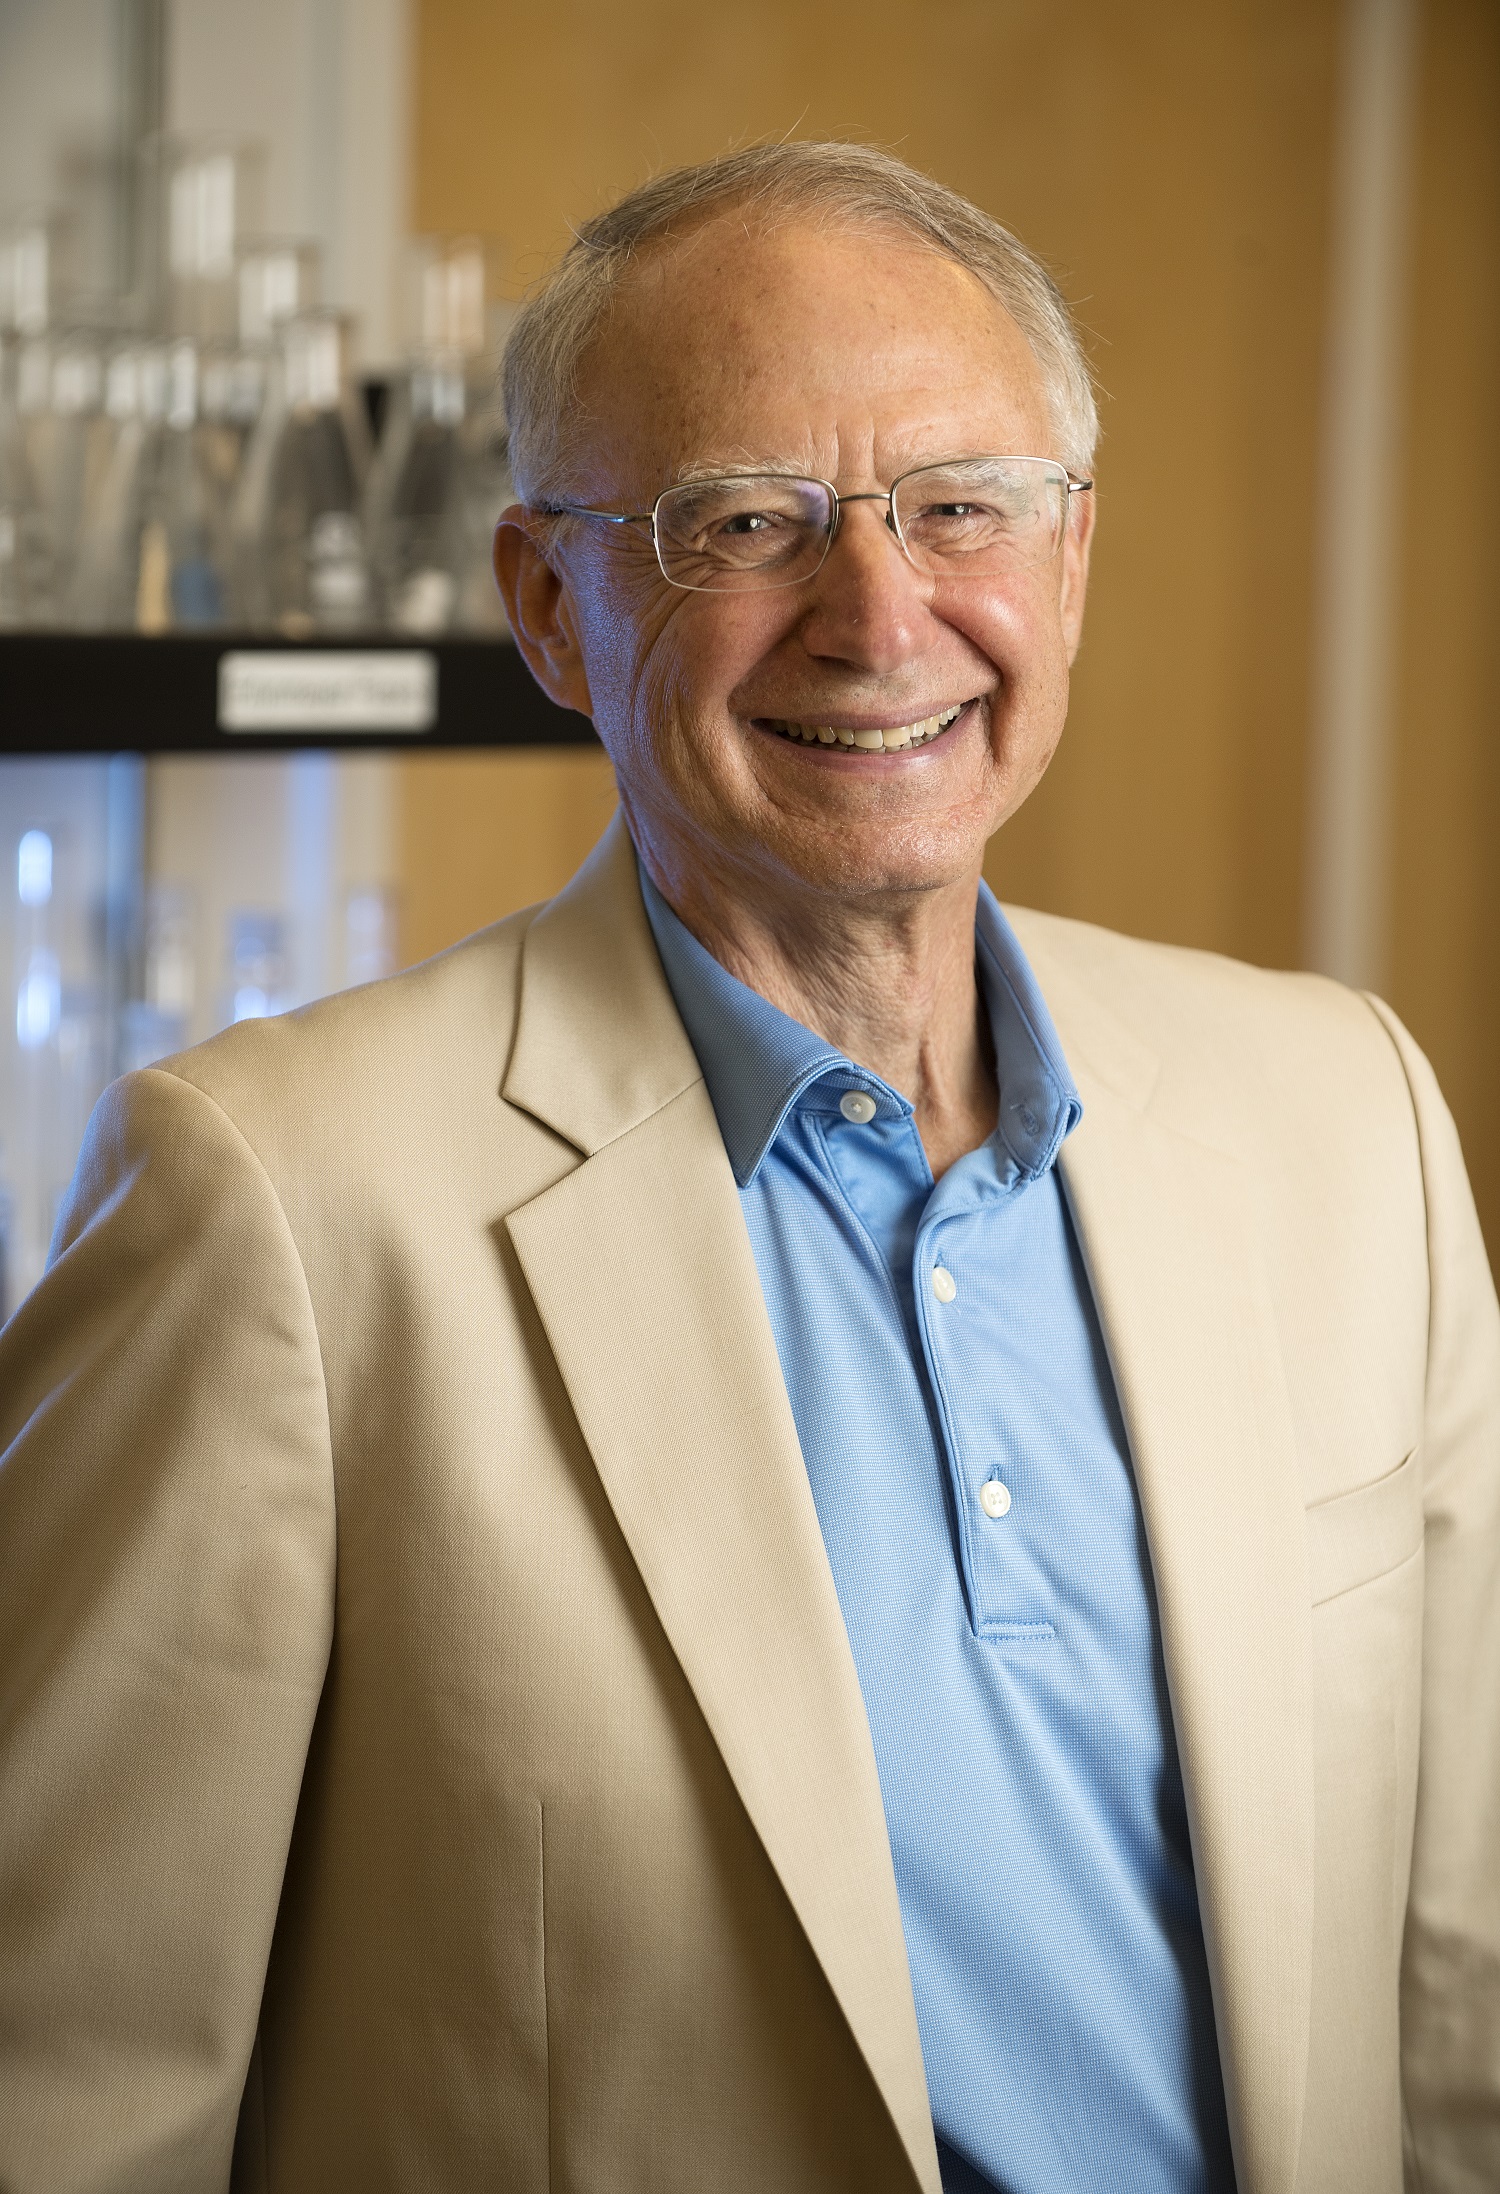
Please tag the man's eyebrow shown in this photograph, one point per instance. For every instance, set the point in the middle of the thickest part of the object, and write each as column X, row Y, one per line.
column 727, row 463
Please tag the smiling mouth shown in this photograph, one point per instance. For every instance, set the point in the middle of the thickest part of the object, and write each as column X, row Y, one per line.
column 896, row 739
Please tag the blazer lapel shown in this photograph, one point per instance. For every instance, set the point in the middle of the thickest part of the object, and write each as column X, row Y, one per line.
column 643, row 1276
column 1168, row 1235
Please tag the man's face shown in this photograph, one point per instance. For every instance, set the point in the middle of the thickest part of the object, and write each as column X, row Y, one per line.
column 849, row 357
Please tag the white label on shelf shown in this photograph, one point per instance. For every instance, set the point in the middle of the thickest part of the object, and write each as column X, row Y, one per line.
column 328, row 690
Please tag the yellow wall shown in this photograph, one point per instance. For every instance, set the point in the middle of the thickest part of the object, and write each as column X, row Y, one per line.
column 484, row 834
column 1445, row 942
column 1171, row 160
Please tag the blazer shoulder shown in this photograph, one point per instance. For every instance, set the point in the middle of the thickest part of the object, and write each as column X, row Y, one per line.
column 1231, row 1040
column 423, row 1028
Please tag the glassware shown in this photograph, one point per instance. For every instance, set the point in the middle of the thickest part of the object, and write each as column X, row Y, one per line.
column 487, row 491
column 156, row 548
column 26, row 594
column 106, row 575
column 278, row 278
column 213, row 192
column 188, row 530
column 300, row 558
column 275, row 280
column 62, row 445
column 416, row 505
column 25, row 574
column 441, row 476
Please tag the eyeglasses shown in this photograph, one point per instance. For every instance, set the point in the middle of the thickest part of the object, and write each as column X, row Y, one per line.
column 970, row 518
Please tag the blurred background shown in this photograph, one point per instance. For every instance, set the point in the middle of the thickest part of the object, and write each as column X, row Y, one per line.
column 255, row 268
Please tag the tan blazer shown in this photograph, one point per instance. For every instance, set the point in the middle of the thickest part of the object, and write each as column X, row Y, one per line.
column 428, row 1738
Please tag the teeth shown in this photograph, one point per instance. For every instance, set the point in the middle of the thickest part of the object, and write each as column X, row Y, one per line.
column 872, row 742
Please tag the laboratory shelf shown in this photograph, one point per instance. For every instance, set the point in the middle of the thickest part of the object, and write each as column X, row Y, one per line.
column 225, row 693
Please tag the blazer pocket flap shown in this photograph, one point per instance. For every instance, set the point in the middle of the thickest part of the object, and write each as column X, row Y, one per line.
column 1358, row 1536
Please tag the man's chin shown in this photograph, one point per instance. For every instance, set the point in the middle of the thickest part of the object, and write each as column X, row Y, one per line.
column 874, row 865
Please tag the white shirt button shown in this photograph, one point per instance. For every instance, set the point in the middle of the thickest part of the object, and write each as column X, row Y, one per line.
column 944, row 1286
column 858, row 1106
column 994, row 1498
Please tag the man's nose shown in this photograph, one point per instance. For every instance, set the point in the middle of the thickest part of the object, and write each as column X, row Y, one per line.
column 869, row 603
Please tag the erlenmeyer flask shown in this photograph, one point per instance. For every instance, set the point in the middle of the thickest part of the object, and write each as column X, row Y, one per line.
column 300, row 558
column 487, row 489
column 276, row 279
column 25, row 574
column 441, row 477
column 156, row 539
column 107, row 572
column 61, row 444
column 213, row 191
column 415, row 509
column 187, row 526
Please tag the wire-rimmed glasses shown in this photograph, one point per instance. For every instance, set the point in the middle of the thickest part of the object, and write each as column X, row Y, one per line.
column 968, row 517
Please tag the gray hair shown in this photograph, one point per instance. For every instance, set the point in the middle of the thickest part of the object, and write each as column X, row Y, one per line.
column 848, row 184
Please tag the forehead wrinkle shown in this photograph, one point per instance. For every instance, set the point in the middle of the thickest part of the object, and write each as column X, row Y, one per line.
column 730, row 461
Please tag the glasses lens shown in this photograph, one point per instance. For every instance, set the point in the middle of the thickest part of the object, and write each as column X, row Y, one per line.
column 757, row 530
column 984, row 516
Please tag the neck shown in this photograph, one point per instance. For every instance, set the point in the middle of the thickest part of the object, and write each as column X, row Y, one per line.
column 888, row 980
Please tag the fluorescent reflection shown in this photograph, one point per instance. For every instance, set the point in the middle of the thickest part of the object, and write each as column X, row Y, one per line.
column 38, row 1001
column 34, row 868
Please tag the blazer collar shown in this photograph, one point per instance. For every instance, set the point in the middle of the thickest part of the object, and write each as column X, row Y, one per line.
column 599, row 1045
column 643, row 1276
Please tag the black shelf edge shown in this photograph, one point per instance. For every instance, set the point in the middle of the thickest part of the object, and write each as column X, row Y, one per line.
column 112, row 693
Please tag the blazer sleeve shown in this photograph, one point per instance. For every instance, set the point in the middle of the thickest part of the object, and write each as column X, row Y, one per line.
column 166, row 1611
column 1450, row 1983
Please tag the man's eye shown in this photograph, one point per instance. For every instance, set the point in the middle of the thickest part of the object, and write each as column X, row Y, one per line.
column 748, row 521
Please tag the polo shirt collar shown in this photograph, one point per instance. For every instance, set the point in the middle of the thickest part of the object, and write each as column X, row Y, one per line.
column 757, row 1060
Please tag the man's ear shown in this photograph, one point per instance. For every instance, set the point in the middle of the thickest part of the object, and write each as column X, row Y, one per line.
column 1078, row 544
column 541, row 612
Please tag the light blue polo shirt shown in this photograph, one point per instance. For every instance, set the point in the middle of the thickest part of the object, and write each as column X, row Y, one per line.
column 964, row 1444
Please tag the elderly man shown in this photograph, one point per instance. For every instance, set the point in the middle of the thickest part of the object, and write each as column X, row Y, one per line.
column 759, row 1532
